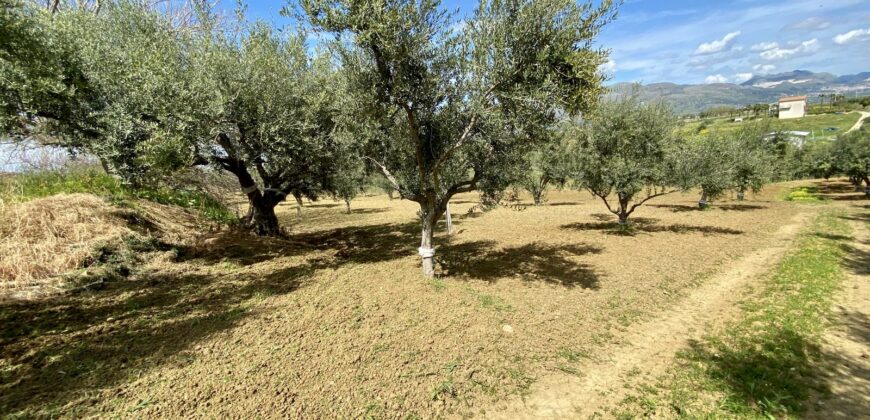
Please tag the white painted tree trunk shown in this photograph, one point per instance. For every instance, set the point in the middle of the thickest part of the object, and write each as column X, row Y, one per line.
column 426, row 250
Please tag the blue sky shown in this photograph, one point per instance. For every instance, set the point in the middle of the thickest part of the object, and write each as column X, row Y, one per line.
column 707, row 41
column 700, row 41
column 685, row 41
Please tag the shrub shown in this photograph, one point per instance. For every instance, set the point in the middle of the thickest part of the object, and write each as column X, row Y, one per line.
column 27, row 186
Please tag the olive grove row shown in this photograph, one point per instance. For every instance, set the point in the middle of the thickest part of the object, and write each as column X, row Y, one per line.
column 437, row 105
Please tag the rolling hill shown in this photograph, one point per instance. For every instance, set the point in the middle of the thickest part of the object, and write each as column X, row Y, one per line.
column 687, row 99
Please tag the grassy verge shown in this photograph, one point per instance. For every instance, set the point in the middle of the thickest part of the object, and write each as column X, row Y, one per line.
column 820, row 126
column 768, row 364
column 29, row 185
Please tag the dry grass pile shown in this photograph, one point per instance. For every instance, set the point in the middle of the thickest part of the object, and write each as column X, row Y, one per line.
column 43, row 238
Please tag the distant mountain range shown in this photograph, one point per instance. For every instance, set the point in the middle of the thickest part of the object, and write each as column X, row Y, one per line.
column 688, row 99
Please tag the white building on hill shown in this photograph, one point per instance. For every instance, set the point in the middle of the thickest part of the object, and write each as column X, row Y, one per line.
column 792, row 107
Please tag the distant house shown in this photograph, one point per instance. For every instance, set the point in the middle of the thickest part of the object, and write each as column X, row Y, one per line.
column 792, row 107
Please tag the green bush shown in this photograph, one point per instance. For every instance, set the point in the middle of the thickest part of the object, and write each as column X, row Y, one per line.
column 804, row 194
column 36, row 184
column 89, row 180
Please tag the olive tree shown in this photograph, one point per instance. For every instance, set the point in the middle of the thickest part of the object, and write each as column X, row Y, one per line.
column 148, row 97
column 265, row 113
column 545, row 165
column 105, row 84
column 751, row 162
column 628, row 149
column 852, row 157
column 349, row 178
column 720, row 162
column 444, row 106
column 708, row 166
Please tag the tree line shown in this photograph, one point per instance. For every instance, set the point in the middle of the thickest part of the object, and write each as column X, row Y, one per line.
column 433, row 103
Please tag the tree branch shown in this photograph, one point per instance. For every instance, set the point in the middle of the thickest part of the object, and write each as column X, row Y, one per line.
column 603, row 197
column 650, row 197
column 403, row 193
column 466, row 133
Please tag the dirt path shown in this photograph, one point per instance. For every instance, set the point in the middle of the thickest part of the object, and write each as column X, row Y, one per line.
column 860, row 121
column 650, row 346
column 847, row 346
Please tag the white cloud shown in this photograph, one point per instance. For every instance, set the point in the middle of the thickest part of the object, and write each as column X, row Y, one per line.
column 609, row 67
column 716, row 78
column 853, row 35
column 764, row 68
column 806, row 47
column 810, row 24
column 717, row 45
column 742, row 77
column 764, row 46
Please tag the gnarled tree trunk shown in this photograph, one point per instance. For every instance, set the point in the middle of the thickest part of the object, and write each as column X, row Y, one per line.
column 261, row 218
column 702, row 203
column 623, row 211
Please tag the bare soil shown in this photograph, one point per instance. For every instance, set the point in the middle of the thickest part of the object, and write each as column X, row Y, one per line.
column 336, row 321
column 847, row 344
column 648, row 348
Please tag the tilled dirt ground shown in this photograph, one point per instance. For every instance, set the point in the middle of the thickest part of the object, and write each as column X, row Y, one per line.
column 648, row 348
column 336, row 321
column 847, row 344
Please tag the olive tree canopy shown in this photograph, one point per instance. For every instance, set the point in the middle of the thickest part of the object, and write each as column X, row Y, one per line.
column 127, row 83
column 265, row 113
column 444, row 106
column 630, row 149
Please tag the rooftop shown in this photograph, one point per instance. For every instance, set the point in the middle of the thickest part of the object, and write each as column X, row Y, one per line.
column 792, row 98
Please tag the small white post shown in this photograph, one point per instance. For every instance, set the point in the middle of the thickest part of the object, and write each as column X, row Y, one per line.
column 449, row 220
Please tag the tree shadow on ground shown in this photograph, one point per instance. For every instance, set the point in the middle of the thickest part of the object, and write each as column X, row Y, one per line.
column 738, row 207
column 360, row 244
column 775, row 373
column 460, row 218
column 857, row 327
column 680, row 208
column 562, row 204
column 609, row 225
column 69, row 348
column 865, row 217
column 856, row 260
column 676, row 208
column 533, row 262
column 838, row 190
column 369, row 211
column 321, row 205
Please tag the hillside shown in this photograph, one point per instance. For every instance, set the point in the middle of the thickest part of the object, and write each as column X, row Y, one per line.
column 687, row 99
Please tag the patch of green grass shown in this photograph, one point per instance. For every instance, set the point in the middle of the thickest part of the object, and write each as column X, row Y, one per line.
column 90, row 180
column 493, row 302
column 446, row 389
column 572, row 355
column 438, row 284
column 805, row 195
column 568, row 369
column 817, row 125
column 768, row 364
